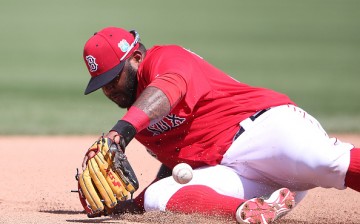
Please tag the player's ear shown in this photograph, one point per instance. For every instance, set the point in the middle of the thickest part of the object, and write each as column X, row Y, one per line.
column 137, row 56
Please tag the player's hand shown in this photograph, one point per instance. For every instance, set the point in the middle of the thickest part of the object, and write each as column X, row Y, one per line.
column 114, row 136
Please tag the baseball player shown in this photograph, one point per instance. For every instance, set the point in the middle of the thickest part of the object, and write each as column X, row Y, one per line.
column 243, row 142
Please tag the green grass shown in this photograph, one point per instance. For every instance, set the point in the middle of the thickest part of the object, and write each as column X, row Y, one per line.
column 308, row 49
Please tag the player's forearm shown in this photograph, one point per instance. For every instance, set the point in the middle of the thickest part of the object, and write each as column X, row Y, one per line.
column 151, row 106
column 154, row 103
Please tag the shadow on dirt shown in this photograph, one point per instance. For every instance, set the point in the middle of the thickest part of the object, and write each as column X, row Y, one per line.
column 86, row 220
column 62, row 212
column 107, row 220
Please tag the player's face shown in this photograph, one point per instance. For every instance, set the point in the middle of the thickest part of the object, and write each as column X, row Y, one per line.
column 122, row 90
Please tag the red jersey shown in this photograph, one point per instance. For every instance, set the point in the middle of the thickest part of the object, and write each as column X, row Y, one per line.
column 201, row 127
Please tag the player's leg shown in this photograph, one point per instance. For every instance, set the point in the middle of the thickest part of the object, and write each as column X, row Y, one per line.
column 287, row 146
column 352, row 178
column 213, row 190
column 204, row 200
column 221, row 179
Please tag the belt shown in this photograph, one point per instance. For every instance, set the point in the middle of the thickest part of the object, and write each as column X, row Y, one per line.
column 252, row 118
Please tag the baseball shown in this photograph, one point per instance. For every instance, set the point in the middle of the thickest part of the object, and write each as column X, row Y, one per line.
column 182, row 173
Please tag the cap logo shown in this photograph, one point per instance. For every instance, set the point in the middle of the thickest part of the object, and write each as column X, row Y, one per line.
column 123, row 45
column 91, row 62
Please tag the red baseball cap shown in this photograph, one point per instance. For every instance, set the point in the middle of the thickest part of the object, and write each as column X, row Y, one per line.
column 105, row 54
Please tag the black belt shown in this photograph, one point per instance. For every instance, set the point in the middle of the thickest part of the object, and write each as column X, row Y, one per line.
column 253, row 118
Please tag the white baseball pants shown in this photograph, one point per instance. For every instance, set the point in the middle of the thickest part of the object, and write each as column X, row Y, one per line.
column 284, row 147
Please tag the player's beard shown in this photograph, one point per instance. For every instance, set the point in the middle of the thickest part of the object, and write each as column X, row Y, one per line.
column 131, row 87
column 127, row 96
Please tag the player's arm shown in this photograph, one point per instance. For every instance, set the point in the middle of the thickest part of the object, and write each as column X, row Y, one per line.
column 154, row 103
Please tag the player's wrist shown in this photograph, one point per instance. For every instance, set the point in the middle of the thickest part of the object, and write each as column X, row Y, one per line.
column 125, row 129
column 137, row 118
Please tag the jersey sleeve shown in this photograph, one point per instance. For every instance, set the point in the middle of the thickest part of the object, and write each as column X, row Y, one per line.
column 173, row 86
column 175, row 71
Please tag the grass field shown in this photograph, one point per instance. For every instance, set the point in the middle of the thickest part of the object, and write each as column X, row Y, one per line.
column 308, row 49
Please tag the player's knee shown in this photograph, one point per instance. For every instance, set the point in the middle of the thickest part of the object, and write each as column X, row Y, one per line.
column 329, row 175
column 158, row 194
column 152, row 199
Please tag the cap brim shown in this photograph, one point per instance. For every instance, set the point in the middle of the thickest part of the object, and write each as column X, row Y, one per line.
column 99, row 81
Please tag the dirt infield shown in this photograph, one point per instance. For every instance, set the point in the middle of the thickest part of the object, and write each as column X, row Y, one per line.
column 38, row 173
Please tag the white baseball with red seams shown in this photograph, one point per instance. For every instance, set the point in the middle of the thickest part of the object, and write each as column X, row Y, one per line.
column 182, row 173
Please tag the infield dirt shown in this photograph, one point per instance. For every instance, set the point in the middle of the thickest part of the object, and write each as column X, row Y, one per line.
column 38, row 174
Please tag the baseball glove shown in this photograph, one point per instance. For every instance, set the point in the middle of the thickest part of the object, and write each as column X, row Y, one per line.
column 107, row 179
